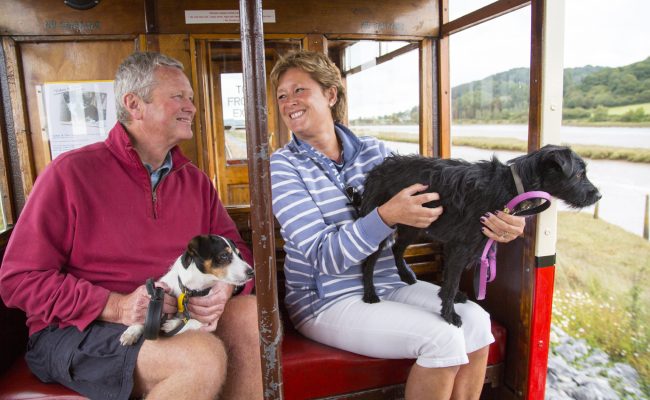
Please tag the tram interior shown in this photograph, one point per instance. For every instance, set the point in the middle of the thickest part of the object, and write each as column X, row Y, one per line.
column 43, row 44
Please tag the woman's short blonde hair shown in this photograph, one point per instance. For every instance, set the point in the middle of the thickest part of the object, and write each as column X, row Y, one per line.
column 321, row 69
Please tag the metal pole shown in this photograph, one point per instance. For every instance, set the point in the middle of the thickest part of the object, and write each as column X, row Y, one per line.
column 262, row 221
column 646, row 216
column 597, row 210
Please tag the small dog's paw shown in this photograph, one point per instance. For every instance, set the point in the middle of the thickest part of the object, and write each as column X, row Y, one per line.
column 456, row 320
column 193, row 324
column 371, row 298
column 131, row 335
column 461, row 297
column 170, row 325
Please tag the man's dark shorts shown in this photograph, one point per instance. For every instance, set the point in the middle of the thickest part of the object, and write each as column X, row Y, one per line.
column 92, row 362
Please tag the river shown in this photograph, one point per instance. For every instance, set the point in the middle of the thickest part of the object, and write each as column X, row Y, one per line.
column 603, row 136
column 624, row 185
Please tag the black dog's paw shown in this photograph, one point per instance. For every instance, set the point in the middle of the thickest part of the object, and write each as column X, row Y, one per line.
column 461, row 297
column 370, row 298
column 456, row 320
column 407, row 278
column 451, row 317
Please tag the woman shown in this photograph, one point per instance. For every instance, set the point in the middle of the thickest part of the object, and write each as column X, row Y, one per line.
column 313, row 181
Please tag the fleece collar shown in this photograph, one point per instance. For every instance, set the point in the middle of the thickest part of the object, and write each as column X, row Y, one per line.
column 349, row 141
column 119, row 143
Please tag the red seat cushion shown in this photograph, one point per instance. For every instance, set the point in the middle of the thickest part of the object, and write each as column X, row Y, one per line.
column 18, row 383
column 311, row 369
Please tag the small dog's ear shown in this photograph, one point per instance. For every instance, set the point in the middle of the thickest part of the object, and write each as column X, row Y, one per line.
column 190, row 253
column 562, row 158
column 232, row 246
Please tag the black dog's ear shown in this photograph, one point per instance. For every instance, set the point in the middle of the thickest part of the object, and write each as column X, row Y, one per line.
column 562, row 158
column 191, row 252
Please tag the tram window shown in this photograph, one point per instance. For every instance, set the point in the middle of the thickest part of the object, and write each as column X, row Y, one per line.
column 383, row 92
column 490, row 75
column 458, row 8
column 234, row 121
column 226, row 70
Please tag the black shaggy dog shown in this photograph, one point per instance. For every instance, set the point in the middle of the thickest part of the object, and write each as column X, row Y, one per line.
column 467, row 191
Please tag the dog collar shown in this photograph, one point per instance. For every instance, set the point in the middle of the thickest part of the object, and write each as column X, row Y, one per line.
column 529, row 203
column 190, row 292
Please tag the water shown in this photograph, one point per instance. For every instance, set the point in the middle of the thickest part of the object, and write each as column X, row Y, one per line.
column 624, row 185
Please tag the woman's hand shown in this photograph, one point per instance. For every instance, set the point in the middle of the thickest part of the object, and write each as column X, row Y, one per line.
column 406, row 208
column 208, row 309
column 502, row 227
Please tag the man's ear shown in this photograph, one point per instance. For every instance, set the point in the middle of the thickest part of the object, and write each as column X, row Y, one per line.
column 133, row 105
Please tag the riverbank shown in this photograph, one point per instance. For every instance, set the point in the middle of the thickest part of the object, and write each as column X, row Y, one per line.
column 593, row 152
column 601, row 295
column 510, row 141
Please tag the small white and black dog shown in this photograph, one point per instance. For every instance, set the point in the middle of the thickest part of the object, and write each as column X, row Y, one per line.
column 208, row 259
column 467, row 192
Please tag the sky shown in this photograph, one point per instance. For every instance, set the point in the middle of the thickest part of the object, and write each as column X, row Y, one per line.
column 597, row 32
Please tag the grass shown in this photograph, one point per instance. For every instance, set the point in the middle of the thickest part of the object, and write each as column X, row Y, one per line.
column 601, row 289
column 623, row 109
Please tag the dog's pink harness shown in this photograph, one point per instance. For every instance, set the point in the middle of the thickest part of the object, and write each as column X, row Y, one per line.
column 532, row 203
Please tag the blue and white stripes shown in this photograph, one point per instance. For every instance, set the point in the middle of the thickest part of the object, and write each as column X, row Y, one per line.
column 325, row 244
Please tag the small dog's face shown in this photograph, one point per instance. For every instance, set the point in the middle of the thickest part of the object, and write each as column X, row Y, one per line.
column 564, row 175
column 217, row 256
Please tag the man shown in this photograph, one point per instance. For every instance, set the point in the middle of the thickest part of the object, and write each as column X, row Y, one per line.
column 102, row 219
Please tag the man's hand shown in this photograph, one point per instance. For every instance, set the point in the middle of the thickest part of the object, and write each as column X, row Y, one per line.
column 130, row 309
column 208, row 309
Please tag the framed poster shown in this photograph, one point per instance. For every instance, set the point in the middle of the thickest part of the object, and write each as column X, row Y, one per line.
column 77, row 113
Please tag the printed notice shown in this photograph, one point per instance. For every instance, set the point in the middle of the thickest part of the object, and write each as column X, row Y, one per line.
column 78, row 113
column 222, row 16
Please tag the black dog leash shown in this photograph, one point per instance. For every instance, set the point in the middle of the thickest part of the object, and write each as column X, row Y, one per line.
column 524, row 204
column 154, row 313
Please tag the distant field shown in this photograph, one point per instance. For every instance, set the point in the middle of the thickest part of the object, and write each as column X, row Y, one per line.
column 623, row 109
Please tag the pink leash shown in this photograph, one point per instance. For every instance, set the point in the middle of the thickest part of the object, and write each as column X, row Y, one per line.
column 488, row 267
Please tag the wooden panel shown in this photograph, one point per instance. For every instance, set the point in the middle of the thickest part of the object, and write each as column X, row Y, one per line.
column 238, row 194
column 64, row 61
column 427, row 134
column 417, row 17
column 22, row 163
column 38, row 17
column 6, row 191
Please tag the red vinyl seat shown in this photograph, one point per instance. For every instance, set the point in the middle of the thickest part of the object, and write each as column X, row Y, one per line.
column 310, row 370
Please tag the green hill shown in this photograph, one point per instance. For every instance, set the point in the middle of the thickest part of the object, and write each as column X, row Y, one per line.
column 588, row 94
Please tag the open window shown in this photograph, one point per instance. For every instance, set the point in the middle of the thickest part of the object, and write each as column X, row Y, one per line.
column 380, row 105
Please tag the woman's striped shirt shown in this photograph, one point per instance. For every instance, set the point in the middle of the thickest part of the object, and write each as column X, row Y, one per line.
column 325, row 243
